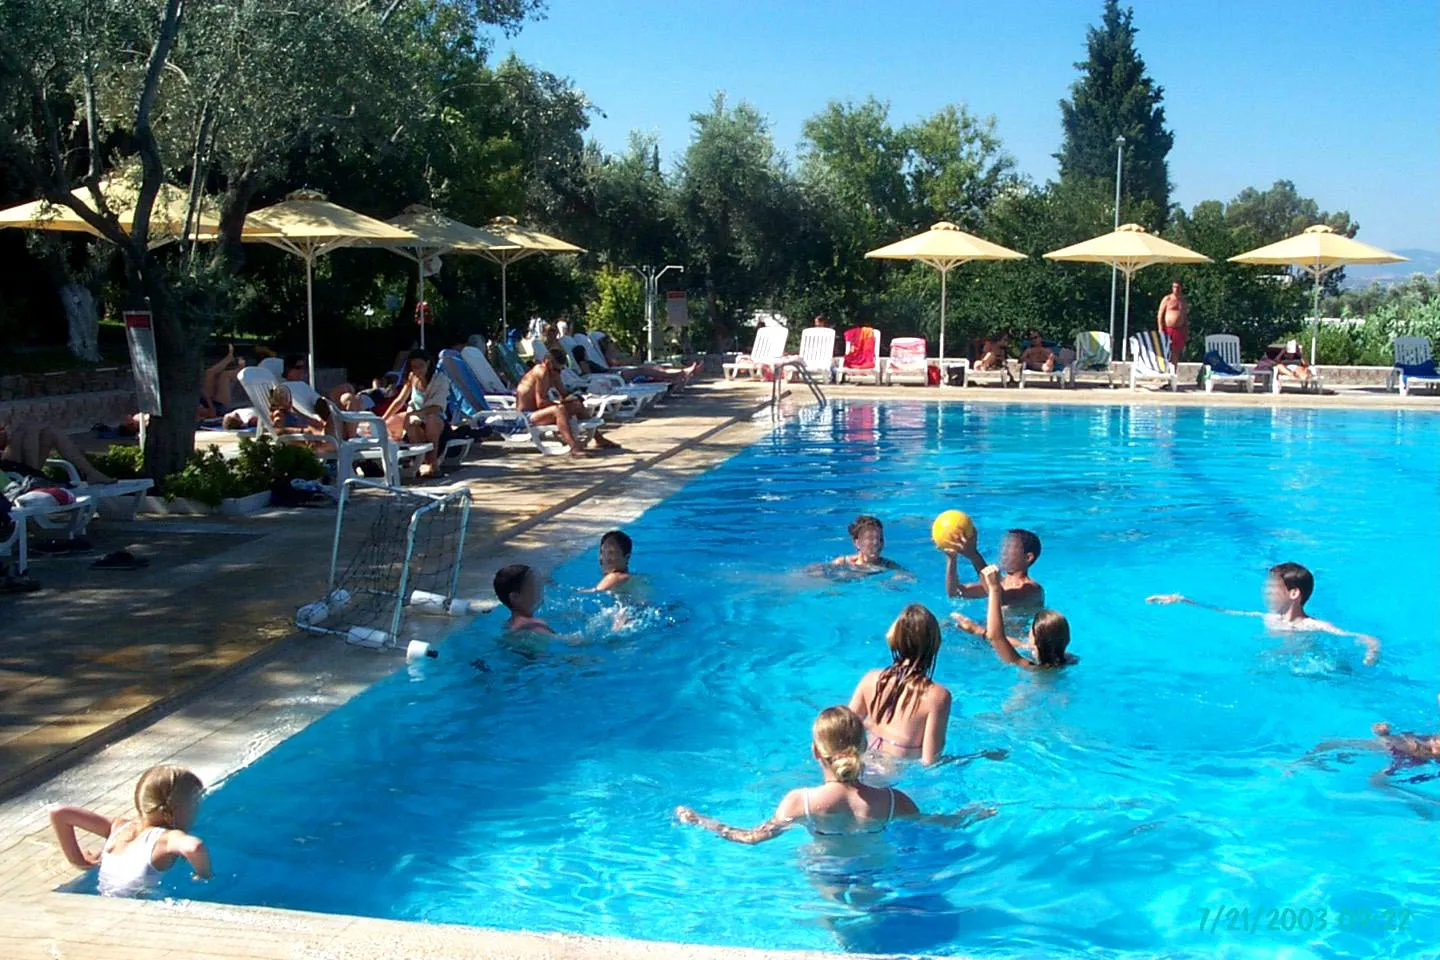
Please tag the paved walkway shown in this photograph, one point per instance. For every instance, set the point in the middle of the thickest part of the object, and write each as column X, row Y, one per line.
column 98, row 653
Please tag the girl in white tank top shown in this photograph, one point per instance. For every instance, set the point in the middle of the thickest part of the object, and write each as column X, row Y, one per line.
column 137, row 852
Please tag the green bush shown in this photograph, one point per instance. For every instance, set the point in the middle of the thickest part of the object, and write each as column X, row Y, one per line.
column 210, row 478
column 121, row 462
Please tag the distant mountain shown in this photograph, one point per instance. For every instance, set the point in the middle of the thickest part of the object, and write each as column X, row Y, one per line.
column 1421, row 261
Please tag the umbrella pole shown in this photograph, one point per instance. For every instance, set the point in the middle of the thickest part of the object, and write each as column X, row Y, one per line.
column 1125, row 344
column 420, row 293
column 1315, row 319
column 943, row 297
column 310, row 310
column 504, row 308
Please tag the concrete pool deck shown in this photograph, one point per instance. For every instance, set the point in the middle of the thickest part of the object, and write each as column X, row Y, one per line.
column 129, row 658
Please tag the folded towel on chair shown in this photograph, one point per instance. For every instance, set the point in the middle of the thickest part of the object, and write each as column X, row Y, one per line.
column 1217, row 364
column 860, row 348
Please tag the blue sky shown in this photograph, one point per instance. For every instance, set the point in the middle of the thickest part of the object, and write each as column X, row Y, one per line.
column 1343, row 98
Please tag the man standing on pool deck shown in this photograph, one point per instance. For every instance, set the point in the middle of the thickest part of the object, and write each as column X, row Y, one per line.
column 1173, row 320
column 1287, row 589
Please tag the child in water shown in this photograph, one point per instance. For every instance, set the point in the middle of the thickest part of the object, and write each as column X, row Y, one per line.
column 1018, row 552
column 1049, row 631
column 867, row 533
column 841, row 805
column 137, row 852
column 1405, row 749
column 519, row 589
column 1288, row 587
column 615, row 550
column 906, row 711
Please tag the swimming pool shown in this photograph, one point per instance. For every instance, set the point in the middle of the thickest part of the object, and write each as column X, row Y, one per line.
column 1152, row 783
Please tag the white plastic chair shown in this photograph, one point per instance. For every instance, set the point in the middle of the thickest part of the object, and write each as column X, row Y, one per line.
column 1092, row 357
column 1150, row 359
column 768, row 350
column 513, row 425
column 1227, row 345
column 845, row 373
column 817, row 352
column 69, row 518
column 1411, row 351
column 1060, row 375
column 907, row 363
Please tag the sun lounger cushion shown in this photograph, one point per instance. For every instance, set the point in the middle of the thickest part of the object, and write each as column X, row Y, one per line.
column 1215, row 362
column 45, row 497
column 1424, row 371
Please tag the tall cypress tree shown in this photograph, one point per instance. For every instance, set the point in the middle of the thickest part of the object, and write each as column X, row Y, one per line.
column 1115, row 97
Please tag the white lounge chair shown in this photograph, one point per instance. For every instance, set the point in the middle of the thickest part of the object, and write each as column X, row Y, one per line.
column 104, row 494
column 1092, row 357
column 1414, row 365
column 769, row 349
column 1060, row 375
column 907, row 362
column 513, row 425
column 1000, row 374
column 1281, row 379
column 605, row 381
column 862, row 356
column 71, row 519
column 817, row 352
column 1227, row 347
column 1150, row 360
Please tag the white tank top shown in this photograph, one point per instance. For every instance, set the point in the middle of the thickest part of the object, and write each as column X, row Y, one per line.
column 130, row 873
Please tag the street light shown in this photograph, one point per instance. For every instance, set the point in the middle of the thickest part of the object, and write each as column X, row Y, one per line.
column 1114, row 271
column 651, row 277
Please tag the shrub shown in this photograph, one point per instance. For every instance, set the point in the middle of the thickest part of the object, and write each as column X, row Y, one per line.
column 209, row 477
column 121, row 462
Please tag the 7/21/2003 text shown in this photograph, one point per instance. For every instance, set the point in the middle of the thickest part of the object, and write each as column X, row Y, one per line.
column 1228, row 918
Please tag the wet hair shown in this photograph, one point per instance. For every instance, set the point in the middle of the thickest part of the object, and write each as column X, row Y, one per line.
column 839, row 737
column 621, row 540
column 163, row 791
column 1029, row 542
column 510, row 581
column 1295, row 577
column 914, row 640
column 1052, row 636
column 865, row 522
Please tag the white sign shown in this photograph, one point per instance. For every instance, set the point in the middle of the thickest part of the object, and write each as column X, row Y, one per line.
column 140, row 335
column 677, row 311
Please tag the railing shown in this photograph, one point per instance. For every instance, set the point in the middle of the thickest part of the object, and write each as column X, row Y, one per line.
column 799, row 367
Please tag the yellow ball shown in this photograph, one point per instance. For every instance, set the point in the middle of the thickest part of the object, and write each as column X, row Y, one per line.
column 949, row 526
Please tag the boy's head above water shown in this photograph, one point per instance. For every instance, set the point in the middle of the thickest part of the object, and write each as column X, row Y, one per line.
column 615, row 550
column 518, row 588
column 1018, row 551
column 1288, row 586
column 868, row 533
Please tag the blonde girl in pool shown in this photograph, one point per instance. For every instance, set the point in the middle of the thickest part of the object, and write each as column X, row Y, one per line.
column 137, row 852
column 842, row 806
column 906, row 711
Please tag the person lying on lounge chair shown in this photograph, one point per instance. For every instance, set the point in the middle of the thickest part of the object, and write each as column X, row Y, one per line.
column 1037, row 356
column 540, row 394
column 614, row 363
column 30, row 445
column 994, row 353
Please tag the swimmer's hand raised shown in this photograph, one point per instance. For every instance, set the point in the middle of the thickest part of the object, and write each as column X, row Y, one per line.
column 1166, row 598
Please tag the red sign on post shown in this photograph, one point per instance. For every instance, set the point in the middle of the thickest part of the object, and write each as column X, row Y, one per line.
column 140, row 336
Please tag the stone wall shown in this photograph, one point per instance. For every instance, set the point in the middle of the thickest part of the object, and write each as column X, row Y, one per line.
column 27, row 386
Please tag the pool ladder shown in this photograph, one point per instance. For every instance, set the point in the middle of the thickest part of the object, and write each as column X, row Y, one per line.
column 799, row 367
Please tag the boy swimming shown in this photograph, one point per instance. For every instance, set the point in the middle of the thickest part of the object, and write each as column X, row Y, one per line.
column 867, row 533
column 519, row 589
column 1018, row 552
column 1288, row 587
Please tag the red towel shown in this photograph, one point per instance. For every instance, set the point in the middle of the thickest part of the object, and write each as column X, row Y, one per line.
column 860, row 348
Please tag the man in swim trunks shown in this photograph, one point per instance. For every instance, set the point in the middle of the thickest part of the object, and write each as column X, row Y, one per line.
column 1037, row 356
column 538, row 393
column 1173, row 321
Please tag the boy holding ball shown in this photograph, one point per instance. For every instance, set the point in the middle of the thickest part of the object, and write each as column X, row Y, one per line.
column 1018, row 552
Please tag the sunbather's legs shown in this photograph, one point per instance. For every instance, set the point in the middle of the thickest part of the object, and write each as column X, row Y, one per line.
column 426, row 430
column 559, row 418
column 33, row 445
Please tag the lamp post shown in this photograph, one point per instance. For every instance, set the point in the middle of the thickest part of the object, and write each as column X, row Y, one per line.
column 651, row 278
column 1114, row 271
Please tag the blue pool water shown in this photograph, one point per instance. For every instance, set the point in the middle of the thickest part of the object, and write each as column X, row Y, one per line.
column 1154, row 782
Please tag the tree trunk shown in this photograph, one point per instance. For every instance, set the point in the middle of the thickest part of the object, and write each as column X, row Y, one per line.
column 170, row 436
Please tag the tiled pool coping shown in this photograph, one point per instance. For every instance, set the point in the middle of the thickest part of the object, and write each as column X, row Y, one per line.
column 306, row 678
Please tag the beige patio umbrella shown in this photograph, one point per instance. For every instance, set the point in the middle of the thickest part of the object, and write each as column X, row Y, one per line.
column 436, row 234
column 521, row 242
column 1128, row 249
column 120, row 192
column 309, row 226
column 944, row 247
column 1317, row 250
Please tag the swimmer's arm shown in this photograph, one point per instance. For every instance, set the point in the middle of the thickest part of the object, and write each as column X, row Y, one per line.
column 1371, row 644
column 953, row 586
column 1167, row 598
column 65, row 820
column 966, row 624
column 608, row 582
column 193, row 849
column 936, row 724
column 769, row 830
column 859, row 705
column 995, row 620
column 974, row 813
